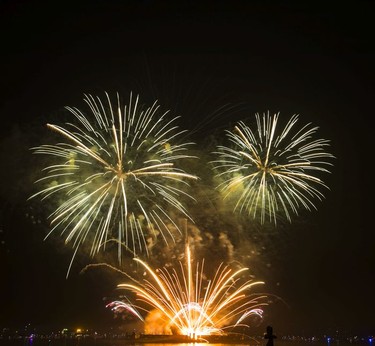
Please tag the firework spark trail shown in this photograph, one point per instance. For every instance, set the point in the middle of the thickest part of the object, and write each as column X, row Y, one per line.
column 192, row 305
column 119, row 305
column 266, row 173
column 116, row 175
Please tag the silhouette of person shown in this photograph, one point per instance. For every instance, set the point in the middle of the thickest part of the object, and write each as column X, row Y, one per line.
column 269, row 336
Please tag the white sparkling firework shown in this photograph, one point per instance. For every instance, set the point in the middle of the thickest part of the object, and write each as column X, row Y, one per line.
column 267, row 172
column 114, row 175
column 191, row 304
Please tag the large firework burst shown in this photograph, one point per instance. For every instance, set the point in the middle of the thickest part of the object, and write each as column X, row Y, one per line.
column 266, row 172
column 189, row 304
column 114, row 175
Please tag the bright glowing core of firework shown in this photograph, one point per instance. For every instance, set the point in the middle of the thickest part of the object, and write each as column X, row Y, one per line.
column 186, row 303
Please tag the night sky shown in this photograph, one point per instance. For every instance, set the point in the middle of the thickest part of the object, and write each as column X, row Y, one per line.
column 310, row 59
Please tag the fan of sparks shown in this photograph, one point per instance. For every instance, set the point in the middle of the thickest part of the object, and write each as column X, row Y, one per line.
column 114, row 177
column 268, row 172
column 188, row 304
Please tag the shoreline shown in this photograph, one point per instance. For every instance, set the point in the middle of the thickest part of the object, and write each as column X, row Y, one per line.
column 131, row 340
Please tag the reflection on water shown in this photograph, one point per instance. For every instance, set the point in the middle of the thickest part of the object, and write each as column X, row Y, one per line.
column 176, row 340
column 119, row 342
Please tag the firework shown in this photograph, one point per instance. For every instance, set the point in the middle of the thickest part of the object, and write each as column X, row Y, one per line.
column 266, row 172
column 114, row 175
column 188, row 304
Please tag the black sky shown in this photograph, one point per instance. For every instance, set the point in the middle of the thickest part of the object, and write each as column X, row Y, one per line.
column 315, row 60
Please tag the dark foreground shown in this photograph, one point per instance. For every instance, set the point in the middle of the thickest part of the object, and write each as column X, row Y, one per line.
column 149, row 339
column 169, row 340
